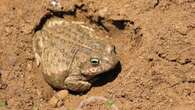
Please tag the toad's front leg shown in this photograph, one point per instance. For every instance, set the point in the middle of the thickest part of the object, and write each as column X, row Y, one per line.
column 76, row 83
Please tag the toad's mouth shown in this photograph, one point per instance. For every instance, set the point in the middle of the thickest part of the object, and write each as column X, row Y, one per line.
column 87, row 77
column 90, row 73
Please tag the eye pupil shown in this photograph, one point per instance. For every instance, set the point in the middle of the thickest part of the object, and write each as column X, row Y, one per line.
column 94, row 61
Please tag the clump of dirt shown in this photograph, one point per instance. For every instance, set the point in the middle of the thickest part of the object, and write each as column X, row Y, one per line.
column 154, row 40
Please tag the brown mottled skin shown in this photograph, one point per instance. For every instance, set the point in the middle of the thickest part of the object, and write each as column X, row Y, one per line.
column 71, row 54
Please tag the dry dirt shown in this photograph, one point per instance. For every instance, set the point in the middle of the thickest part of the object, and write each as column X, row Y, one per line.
column 155, row 40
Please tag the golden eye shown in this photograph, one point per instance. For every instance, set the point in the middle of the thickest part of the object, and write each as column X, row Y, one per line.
column 94, row 61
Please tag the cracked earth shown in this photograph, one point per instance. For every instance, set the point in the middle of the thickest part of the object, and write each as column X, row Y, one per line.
column 157, row 61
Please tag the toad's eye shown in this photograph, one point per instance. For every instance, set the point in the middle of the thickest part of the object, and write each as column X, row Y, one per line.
column 94, row 61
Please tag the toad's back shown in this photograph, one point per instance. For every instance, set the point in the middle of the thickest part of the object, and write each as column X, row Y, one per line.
column 69, row 41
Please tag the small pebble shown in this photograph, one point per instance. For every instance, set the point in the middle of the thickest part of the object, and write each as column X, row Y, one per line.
column 3, row 85
column 62, row 94
column 29, row 66
column 53, row 102
column 58, row 99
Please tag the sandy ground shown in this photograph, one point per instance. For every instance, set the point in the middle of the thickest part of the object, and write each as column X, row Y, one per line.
column 155, row 40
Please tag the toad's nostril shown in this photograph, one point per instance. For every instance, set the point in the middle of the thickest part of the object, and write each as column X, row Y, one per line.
column 113, row 50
